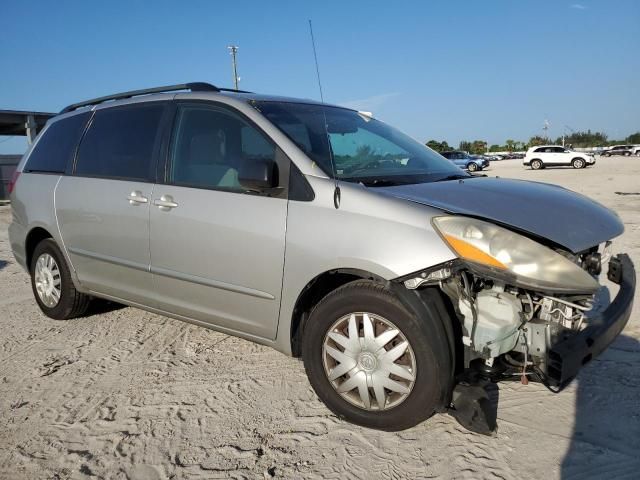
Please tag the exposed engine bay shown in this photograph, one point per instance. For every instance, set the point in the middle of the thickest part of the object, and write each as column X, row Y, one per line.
column 508, row 331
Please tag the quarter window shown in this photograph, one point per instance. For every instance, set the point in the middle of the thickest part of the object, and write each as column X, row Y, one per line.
column 57, row 146
column 120, row 143
column 210, row 147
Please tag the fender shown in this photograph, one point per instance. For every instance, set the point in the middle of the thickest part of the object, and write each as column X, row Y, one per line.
column 429, row 305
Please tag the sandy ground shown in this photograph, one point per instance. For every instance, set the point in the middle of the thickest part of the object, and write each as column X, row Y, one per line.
column 127, row 394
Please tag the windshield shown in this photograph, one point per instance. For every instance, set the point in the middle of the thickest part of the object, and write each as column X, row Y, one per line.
column 364, row 149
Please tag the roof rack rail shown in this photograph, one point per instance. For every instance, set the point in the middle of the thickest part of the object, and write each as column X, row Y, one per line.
column 233, row 90
column 194, row 87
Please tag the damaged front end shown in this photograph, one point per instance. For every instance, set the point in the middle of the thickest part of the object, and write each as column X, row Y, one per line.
column 526, row 311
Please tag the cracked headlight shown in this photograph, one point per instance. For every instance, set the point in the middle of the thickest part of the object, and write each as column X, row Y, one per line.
column 505, row 255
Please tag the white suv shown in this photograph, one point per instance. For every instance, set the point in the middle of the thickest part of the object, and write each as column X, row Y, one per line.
column 544, row 156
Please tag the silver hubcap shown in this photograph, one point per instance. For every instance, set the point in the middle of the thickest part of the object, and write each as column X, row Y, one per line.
column 578, row 163
column 369, row 361
column 47, row 279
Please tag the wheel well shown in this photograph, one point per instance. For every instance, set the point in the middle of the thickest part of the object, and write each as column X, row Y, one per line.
column 315, row 291
column 34, row 237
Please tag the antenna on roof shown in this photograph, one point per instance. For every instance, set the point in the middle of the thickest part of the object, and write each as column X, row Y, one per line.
column 233, row 50
column 336, row 192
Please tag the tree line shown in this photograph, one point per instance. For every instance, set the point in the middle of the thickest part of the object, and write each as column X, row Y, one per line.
column 575, row 139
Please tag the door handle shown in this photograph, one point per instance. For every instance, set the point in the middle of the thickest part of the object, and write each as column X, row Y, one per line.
column 165, row 203
column 136, row 198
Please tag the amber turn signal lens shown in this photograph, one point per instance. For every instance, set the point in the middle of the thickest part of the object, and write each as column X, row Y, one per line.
column 473, row 254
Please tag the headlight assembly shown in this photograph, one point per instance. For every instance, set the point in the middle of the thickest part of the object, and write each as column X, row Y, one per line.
column 505, row 255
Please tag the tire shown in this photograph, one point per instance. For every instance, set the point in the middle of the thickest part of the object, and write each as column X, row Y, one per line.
column 400, row 410
column 626, row 154
column 578, row 163
column 606, row 154
column 473, row 167
column 536, row 164
column 54, row 270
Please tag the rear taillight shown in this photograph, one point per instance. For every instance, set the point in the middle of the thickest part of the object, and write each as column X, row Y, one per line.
column 14, row 179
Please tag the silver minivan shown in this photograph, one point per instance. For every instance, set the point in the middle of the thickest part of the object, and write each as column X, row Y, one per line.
column 407, row 285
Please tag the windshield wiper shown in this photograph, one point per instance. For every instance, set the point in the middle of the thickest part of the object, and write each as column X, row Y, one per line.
column 379, row 182
column 457, row 176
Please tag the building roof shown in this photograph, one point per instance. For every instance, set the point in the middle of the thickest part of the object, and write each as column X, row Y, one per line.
column 14, row 122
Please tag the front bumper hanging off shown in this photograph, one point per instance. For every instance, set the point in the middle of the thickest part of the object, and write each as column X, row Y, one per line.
column 568, row 356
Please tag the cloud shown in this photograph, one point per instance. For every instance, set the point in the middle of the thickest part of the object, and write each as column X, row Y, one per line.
column 370, row 104
column 578, row 6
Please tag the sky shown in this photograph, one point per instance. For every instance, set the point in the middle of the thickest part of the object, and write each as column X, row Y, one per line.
column 448, row 70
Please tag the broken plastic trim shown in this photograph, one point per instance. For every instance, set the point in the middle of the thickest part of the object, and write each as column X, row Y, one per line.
column 430, row 276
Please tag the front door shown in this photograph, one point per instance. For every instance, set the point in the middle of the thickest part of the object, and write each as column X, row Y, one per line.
column 217, row 252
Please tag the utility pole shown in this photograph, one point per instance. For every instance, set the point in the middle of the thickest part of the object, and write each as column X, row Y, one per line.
column 545, row 128
column 564, row 133
column 233, row 50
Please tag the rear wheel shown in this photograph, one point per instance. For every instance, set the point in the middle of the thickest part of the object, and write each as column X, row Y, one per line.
column 578, row 163
column 370, row 360
column 626, row 154
column 52, row 286
column 536, row 164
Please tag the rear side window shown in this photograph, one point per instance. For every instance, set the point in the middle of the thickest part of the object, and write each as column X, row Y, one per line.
column 57, row 146
column 120, row 143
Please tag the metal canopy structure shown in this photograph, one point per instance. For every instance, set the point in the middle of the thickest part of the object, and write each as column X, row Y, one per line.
column 17, row 122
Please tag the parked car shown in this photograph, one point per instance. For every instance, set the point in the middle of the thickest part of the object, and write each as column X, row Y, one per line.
column 403, row 282
column 466, row 161
column 625, row 150
column 544, row 156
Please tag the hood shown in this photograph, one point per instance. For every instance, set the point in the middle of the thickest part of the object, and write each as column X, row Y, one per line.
column 566, row 218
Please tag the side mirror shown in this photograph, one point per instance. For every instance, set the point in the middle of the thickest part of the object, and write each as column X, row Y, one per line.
column 258, row 175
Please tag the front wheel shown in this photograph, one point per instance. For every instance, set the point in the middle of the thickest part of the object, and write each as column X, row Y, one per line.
column 473, row 167
column 578, row 163
column 370, row 360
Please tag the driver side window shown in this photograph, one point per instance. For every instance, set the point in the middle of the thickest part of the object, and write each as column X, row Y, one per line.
column 210, row 146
